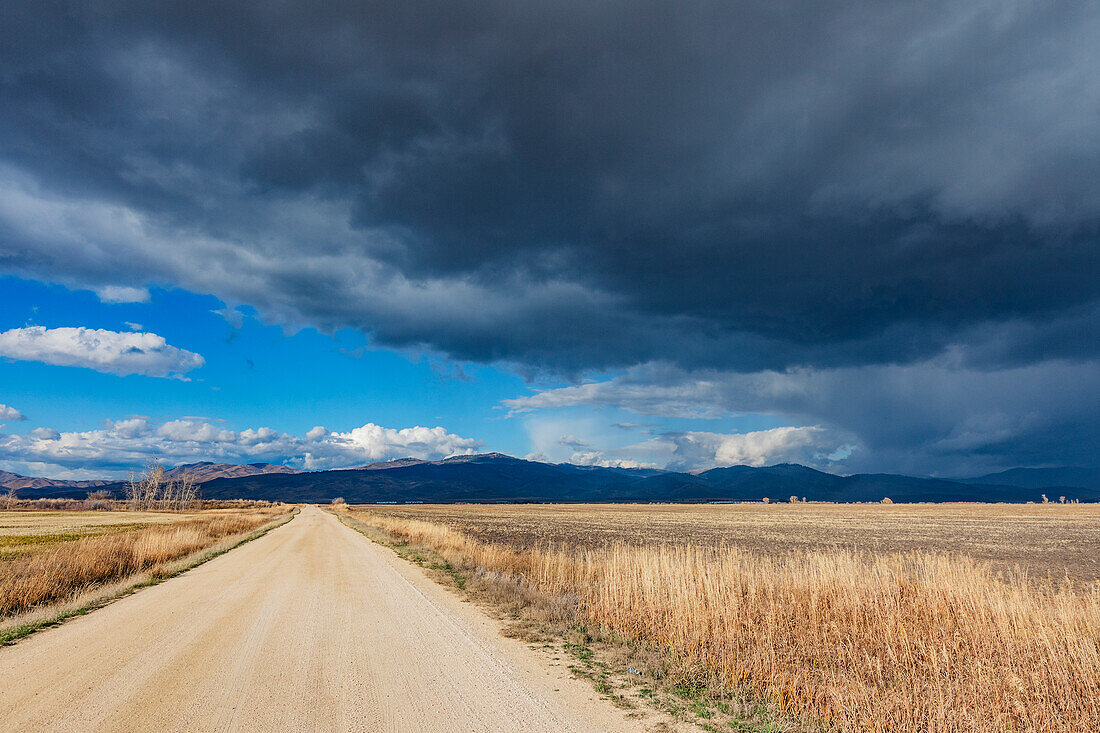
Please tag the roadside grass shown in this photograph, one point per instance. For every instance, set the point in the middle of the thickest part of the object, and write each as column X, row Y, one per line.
column 144, row 560
column 632, row 676
column 833, row 639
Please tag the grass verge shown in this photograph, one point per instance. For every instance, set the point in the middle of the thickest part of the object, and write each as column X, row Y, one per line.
column 39, row 619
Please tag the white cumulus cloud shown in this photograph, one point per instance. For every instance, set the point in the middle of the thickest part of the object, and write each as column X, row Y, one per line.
column 112, row 352
column 372, row 442
column 597, row 458
column 700, row 450
column 697, row 450
column 124, row 444
column 7, row 412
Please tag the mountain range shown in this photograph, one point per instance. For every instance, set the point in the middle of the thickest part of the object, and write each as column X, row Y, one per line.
column 1038, row 478
column 206, row 471
column 200, row 472
column 495, row 477
column 17, row 481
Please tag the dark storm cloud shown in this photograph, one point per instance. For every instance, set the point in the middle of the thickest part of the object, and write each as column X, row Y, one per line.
column 574, row 186
column 796, row 174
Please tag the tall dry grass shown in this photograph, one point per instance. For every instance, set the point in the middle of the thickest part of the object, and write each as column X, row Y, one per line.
column 915, row 642
column 68, row 568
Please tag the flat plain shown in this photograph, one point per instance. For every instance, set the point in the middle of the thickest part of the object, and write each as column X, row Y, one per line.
column 780, row 617
column 1044, row 540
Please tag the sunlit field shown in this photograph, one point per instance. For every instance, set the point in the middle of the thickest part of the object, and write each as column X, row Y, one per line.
column 51, row 557
column 1043, row 539
column 890, row 618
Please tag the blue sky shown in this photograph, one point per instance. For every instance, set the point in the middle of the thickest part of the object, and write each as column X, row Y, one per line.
column 255, row 375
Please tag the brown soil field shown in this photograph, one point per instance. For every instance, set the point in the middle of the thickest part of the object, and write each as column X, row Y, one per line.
column 1044, row 540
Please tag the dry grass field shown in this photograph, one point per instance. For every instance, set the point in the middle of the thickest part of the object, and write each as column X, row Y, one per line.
column 27, row 532
column 1042, row 539
column 879, row 618
column 50, row 557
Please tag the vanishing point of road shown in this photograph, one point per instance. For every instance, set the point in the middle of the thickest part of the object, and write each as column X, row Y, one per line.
column 310, row 627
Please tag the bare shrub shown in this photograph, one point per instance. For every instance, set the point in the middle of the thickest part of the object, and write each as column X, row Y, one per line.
column 152, row 490
column 887, row 500
column 9, row 499
column 99, row 501
column 239, row 504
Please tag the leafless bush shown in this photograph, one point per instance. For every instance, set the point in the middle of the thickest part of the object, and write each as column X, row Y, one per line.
column 238, row 504
column 8, row 499
column 152, row 490
column 98, row 501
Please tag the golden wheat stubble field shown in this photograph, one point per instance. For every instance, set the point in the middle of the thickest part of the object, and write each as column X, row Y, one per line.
column 53, row 557
column 850, row 617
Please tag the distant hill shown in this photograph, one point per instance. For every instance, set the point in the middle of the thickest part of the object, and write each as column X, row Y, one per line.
column 495, row 477
column 501, row 478
column 206, row 471
column 396, row 463
column 31, row 487
column 1038, row 478
column 16, row 481
column 487, row 477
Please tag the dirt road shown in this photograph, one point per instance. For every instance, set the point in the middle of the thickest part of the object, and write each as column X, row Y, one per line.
column 311, row 627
